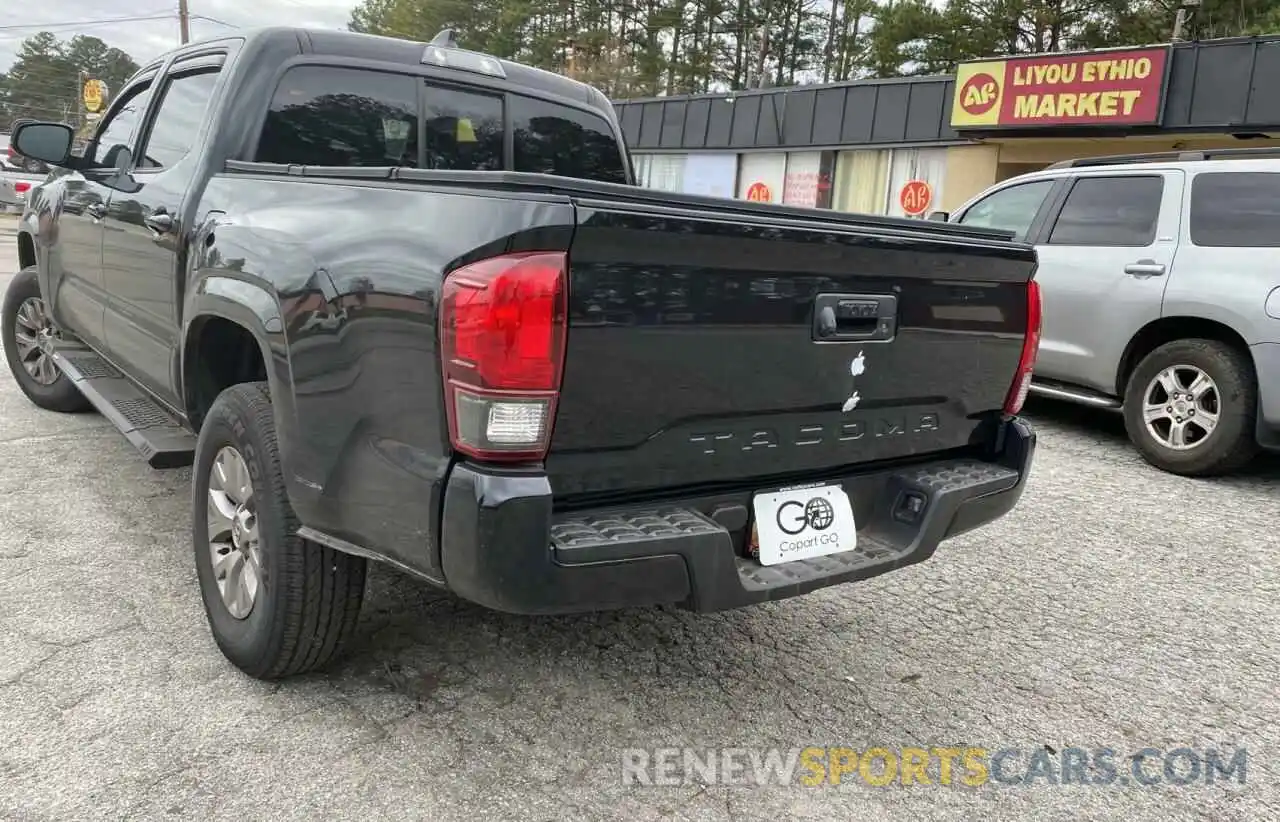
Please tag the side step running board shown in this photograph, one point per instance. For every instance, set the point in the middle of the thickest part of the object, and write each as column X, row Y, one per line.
column 1077, row 395
column 152, row 430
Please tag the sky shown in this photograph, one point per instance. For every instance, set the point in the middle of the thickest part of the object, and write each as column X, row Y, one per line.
column 144, row 39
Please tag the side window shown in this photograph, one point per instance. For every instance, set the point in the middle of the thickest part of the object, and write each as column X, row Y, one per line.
column 555, row 139
column 327, row 116
column 177, row 123
column 1239, row 209
column 1110, row 211
column 1011, row 209
column 463, row 130
column 116, row 133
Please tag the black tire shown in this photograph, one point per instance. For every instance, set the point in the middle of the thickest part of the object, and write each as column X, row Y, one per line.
column 1233, row 443
column 60, row 395
column 310, row 595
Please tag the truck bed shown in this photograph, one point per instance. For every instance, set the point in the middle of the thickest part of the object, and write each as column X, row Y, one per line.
column 695, row 357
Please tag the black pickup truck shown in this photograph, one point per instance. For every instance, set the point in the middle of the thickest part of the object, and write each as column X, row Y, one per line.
column 403, row 301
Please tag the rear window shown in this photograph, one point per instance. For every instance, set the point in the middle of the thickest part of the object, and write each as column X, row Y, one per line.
column 464, row 130
column 555, row 139
column 1239, row 209
column 342, row 117
column 328, row 116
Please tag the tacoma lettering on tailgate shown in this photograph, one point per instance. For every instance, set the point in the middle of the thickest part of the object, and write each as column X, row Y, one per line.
column 765, row 438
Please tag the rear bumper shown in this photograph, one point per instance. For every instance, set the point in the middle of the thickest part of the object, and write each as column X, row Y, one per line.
column 503, row 547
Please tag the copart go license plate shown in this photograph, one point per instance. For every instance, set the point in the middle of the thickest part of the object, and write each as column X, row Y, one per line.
column 802, row 523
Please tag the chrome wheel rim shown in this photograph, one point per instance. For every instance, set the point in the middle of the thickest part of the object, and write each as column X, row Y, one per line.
column 1181, row 407
column 33, row 336
column 234, row 549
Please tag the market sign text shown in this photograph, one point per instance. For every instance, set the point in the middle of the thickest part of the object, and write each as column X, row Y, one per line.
column 1110, row 88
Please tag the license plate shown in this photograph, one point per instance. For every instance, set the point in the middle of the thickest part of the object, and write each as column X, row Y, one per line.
column 803, row 523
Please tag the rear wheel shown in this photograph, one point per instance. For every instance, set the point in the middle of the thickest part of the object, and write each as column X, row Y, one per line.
column 28, row 334
column 277, row 604
column 1190, row 408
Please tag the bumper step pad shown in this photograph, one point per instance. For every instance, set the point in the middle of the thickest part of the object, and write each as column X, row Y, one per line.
column 883, row 542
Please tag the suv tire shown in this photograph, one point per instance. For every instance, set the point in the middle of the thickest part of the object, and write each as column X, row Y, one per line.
column 1230, row 444
column 23, row 295
column 298, row 601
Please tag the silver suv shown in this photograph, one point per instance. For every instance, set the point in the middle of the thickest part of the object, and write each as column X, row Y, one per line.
column 1160, row 275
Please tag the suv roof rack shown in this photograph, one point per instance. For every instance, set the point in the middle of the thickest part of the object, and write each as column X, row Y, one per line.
column 1191, row 156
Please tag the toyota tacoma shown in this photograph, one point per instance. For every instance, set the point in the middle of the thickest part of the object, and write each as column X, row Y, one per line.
column 404, row 302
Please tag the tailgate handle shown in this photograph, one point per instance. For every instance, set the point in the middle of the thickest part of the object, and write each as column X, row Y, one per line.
column 861, row 317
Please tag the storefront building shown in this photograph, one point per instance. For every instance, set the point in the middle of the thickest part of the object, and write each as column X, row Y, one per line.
column 915, row 145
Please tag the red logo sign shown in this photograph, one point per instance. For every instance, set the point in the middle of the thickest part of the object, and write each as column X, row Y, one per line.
column 979, row 93
column 759, row 193
column 915, row 197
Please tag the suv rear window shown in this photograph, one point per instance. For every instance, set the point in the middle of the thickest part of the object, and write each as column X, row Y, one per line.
column 1237, row 209
column 555, row 139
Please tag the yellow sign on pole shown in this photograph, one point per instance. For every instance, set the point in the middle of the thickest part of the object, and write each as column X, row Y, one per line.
column 95, row 96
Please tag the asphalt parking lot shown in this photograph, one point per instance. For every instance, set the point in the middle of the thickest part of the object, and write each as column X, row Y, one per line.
column 1116, row 607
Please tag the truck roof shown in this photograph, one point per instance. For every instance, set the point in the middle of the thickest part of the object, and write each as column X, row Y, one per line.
column 359, row 46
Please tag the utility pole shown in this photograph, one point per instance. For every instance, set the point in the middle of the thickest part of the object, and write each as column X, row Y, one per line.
column 81, row 114
column 1186, row 10
column 184, row 21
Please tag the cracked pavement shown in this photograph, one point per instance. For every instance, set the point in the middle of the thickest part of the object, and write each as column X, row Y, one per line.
column 1116, row 606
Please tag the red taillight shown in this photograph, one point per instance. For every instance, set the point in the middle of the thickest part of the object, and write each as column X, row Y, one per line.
column 502, row 335
column 22, row 187
column 1030, row 347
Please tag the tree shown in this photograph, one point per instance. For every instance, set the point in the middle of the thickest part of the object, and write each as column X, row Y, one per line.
column 44, row 82
column 632, row 48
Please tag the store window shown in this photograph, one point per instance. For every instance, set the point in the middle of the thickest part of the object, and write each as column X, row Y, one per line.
column 710, row 175
column 907, row 164
column 664, row 172
column 762, row 176
column 862, row 178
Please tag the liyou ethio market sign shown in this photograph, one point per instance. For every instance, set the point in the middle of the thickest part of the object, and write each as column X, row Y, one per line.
column 1102, row 88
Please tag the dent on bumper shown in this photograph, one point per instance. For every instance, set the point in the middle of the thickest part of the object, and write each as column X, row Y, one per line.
column 503, row 547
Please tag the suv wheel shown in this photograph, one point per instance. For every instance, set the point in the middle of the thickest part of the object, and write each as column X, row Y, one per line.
column 277, row 604
column 1190, row 408
column 27, row 333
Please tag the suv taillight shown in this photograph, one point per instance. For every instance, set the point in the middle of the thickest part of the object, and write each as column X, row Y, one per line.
column 502, row 334
column 1030, row 347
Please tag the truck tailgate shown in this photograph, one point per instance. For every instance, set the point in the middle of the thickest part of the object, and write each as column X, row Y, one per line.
column 707, row 349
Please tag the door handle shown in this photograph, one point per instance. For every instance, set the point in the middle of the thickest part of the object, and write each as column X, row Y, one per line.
column 159, row 222
column 97, row 211
column 1145, row 268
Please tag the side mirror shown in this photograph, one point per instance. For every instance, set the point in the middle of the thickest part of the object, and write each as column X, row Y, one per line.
column 940, row 216
column 47, row 142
